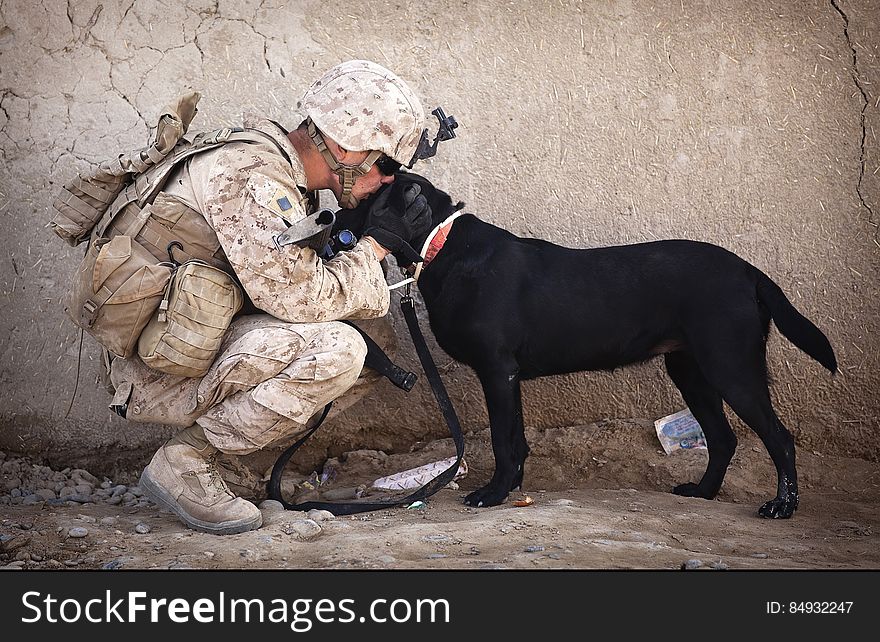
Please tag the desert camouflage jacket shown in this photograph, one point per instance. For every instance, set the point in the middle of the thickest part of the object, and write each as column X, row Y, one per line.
column 246, row 192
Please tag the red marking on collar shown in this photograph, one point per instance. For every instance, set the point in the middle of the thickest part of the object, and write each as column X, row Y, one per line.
column 437, row 243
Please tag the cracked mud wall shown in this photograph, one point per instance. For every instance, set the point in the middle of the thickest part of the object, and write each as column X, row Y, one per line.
column 749, row 125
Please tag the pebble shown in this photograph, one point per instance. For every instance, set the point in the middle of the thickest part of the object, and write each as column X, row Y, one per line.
column 118, row 490
column 112, row 565
column 718, row 566
column 113, row 500
column 303, row 529
column 84, row 489
column 78, row 532
column 534, row 549
column 562, row 502
column 436, row 556
column 142, row 528
column 271, row 505
column 46, row 493
column 690, row 565
column 13, row 566
column 67, row 492
column 321, row 515
column 387, row 559
column 760, row 556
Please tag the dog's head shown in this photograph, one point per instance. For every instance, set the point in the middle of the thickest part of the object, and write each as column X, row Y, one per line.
column 440, row 202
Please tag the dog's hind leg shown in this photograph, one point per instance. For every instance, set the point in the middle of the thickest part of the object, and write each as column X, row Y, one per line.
column 736, row 367
column 705, row 404
column 501, row 386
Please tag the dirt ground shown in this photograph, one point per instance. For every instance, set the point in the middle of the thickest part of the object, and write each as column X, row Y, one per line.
column 602, row 501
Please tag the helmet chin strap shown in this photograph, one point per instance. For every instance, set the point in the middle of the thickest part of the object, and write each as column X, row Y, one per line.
column 347, row 174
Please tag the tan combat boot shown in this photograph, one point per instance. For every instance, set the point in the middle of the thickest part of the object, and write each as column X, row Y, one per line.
column 183, row 477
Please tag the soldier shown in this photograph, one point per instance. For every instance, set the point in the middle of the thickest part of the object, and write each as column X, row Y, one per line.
column 278, row 368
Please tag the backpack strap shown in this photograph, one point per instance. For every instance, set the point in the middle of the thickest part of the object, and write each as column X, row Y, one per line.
column 148, row 183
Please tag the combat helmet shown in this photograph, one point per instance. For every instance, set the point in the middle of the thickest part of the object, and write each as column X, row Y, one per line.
column 365, row 107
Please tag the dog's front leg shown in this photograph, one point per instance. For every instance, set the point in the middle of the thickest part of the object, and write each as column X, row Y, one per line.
column 501, row 387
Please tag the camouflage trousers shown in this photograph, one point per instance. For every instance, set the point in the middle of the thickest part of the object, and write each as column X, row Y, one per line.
column 268, row 379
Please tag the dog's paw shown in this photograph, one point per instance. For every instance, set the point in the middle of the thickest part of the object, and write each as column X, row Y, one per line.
column 779, row 508
column 688, row 490
column 486, row 496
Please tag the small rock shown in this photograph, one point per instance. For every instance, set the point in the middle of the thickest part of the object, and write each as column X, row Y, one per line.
column 85, row 476
column 534, row 549
column 23, row 556
column 271, row 506
column 67, row 492
column 106, row 484
column 718, row 566
column 46, row 493
column 71, row 563
column 36, row 557
column 321, row 515
column 78, row 532
column 112, row 565
column 128, row 498
column 562, row 502
column 387, row 559
column 137, row 491
column 304, row 529
column 114, row 500
column 13, row 566
column 142, row 528
column 690, row 565
column 15, row 482
column 88, row 519
column 249, row 555
column 108, row 521
column 436, row 556
column 760, row 556
column 80, row 499
column 118, row 490
column 31, row 500
column 16, row 493
column 84, row 489
column 209, row 554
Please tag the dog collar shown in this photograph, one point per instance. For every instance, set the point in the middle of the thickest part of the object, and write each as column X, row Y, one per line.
column 434, row 243
column 431, row 247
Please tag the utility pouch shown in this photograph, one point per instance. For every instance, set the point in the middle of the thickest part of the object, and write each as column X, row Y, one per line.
column 184, row 335
column 116, row 289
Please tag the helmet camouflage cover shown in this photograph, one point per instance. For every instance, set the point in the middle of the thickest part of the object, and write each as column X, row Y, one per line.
column 365, row 107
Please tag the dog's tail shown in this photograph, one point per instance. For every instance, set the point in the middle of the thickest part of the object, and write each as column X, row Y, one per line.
column 793, row 325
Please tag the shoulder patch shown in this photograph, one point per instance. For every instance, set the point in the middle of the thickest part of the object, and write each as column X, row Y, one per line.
column 276, row 197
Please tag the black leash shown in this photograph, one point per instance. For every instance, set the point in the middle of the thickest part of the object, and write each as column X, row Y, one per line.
column 380, row 361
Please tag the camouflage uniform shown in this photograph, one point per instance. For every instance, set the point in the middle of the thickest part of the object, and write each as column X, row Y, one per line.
column 275, row 370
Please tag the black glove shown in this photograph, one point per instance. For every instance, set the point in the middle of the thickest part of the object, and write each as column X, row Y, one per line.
column 394, row 222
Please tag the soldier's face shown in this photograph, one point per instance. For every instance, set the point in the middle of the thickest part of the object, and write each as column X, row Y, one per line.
column 367, row 184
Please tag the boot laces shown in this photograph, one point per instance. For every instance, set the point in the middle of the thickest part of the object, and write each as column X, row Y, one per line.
column 215, row 480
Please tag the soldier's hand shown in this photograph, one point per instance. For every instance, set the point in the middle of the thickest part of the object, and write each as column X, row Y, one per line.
column 396, row 222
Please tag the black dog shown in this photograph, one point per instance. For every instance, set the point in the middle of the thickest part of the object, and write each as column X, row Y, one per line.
column 518, row 308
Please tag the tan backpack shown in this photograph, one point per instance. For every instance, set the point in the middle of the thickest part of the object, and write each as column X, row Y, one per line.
column 140, row 257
